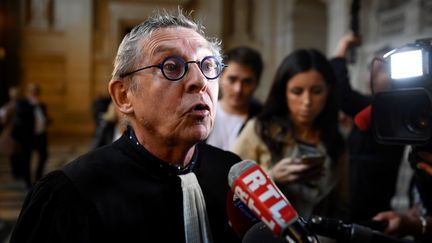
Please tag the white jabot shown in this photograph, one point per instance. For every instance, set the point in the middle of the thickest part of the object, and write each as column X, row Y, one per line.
column 196, row 224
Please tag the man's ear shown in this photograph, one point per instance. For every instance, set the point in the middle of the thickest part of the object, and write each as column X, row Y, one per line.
column 119, row 95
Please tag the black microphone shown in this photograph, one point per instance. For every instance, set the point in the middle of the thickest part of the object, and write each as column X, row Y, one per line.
column 260, row 233
column 349, row 233
column 256, row 190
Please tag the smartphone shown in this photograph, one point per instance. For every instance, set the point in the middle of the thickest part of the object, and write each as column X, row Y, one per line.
column 312, row 158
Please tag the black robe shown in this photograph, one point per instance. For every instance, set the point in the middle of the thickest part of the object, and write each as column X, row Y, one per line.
column 120, row 193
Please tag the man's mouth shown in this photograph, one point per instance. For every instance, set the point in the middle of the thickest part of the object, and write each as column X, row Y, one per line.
column 201, row 107
column 200, row 111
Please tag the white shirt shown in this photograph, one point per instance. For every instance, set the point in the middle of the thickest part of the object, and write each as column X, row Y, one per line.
column 226, row 129
column 40, row 120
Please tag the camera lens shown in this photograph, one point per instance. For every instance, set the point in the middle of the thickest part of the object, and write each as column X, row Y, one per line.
column 403, row 116
column 419, row 117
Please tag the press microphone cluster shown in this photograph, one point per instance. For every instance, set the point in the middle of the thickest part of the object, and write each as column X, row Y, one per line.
column 256, row 190
column 263, row 214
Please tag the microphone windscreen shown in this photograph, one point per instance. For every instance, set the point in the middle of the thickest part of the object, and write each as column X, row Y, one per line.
column 363, row 119
column 237, row 169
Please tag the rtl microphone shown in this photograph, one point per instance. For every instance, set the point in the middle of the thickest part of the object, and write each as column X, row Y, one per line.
column 255, row 189
column 363, row 119
column 240, row 217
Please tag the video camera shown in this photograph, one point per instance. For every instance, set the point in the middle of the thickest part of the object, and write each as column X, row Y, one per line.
column 401, row 83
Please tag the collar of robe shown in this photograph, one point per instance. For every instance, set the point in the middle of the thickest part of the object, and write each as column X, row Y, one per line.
column 171, row 169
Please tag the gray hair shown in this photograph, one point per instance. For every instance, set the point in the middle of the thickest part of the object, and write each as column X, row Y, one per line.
column 130, row 51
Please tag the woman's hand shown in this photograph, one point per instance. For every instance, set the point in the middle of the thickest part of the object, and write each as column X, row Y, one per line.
column 347, row 41
column 292, row 170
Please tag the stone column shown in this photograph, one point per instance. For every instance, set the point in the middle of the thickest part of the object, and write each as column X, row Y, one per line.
column 210, row 12
column 264, row 36
column 39, row 14
column 338, row 13
column 240, row 35
column 78, row 54
column 284, row 42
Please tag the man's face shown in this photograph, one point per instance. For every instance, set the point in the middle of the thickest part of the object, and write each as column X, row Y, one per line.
column 238, row 83
column 173, row 112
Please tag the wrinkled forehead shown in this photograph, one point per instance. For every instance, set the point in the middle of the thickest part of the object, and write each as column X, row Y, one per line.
column 178, row 41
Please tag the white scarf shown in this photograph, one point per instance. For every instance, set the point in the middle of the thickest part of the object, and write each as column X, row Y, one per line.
column 196, row 224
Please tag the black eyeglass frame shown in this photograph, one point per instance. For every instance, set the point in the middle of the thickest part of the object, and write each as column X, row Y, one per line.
column 185, row 64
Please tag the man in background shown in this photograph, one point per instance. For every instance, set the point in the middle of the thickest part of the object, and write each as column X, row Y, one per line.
column 237, row 105
column 29, row 132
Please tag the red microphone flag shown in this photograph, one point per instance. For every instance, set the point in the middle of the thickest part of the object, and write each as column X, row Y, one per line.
column 260, row 194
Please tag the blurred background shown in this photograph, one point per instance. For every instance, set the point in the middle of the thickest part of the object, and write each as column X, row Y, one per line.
column 67, row 48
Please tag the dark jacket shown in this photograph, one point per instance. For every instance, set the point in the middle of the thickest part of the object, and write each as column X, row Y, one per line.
column 119, row 193
column 23, row 128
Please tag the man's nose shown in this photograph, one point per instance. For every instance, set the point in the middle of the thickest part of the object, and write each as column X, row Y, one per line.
column 196, row 81
column 237, row 86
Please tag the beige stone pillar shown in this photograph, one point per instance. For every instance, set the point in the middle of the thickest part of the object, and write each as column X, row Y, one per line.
column 285, row 35
column 78, row 55
column 76, row 21
column 210, row 13
column 39, row 14
column 338, row 19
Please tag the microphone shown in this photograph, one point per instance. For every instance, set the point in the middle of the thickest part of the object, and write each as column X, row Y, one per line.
column 363, row 119
column 349, row 233
column 261, row 233
column 255, row 189
column 240, row 217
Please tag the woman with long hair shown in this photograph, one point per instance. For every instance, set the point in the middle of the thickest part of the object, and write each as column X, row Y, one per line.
column 296, row 137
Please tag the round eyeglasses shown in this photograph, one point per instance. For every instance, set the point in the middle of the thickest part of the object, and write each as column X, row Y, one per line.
column 175, row 68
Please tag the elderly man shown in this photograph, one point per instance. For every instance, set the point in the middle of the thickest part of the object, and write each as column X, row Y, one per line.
column 158, row 182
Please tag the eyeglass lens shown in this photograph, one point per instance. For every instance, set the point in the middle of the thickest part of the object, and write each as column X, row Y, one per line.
column 174, row 68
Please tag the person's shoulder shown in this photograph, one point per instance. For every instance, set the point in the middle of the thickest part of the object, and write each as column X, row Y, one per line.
column 99, row 162
column 93, row 172
column 214, row 162
column 55, row 186
column 207, row 148
column 215, row 153
column 103, row 154
column 250, row 125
